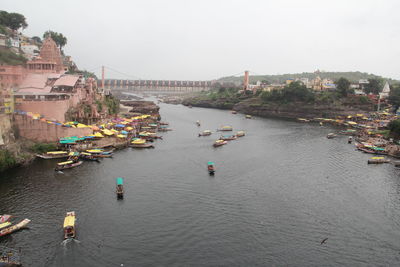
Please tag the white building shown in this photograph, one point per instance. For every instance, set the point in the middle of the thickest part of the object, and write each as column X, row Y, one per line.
column 30, row 51
column 385, row 91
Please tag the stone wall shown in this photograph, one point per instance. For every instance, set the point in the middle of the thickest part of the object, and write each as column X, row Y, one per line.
column 49, row 109
column 39, row 131
column 6, row 135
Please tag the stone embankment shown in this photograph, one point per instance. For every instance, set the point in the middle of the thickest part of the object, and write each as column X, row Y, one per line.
column 143, row 107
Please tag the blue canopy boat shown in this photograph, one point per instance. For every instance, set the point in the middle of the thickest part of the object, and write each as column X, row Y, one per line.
column 120, row 187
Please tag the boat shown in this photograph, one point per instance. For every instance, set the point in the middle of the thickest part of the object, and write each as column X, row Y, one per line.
column 190, row 106
column 163, row 123
column 100, row 153
column 219, row 143
column 350, row 140
column 233, row 112
column 228, row 137
column 211, row 168
column 140, row 143
column 5, row 224
column 331, row 135
column 164, row 128
column 10, row 257
column 67, row 165
column 303, row 120
column 378, row 160
column 5, row 218
column 120, row 187
column 69, row 225
column 89, row 156
column 205, row 133
column 198, row 123
column 225, row 128
column 53, row 155
column 15, row 227
column 240, row 134
column 248, row 116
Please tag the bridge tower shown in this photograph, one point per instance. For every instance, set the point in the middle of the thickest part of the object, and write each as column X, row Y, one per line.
column 102, row 78
column 246, row 80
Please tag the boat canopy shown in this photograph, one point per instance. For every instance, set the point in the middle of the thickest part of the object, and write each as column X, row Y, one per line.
column 57, row 152
column 65, row 163
column 73, row 154
column 121, row 136
column 377, row 158
column 98, row 135
column 120, row 181
column 138, row 141
column 219, row 141
column 95, row 150
column 86, row 154
column 210, row 163
column 69, row 221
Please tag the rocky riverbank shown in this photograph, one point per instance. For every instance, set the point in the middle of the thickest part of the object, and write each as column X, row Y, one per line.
column 293, row 110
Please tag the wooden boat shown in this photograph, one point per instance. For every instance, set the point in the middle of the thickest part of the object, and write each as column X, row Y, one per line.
column 67, row 165
column 205, row 133
column 69, row 225
column 100, row 153
column 16, row 227
column 120, row 187
column 378, row 160
column 53, row 155
column 350, row 140
column 303, row 120
column 198, row 123
column 10, row 257
column 233, row 112
column 5, row 224
column 140, row 143
column 211, row 168
column 331, row 135
column 164, row 129
column 225, row 128
column 248, row 117
column 163, row 123
column 219, row 143
column 228, row 137
column 89, row 157
column 5, row 218
column 240, row 134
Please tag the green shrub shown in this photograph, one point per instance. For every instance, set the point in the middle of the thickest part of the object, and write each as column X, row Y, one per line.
column 41, row 148
column 7, row 160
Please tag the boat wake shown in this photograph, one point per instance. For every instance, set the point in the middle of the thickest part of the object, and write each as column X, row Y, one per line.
column 69, row 240
column 60, row 172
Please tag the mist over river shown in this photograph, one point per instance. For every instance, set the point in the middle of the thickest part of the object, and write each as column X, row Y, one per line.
column 277, row 193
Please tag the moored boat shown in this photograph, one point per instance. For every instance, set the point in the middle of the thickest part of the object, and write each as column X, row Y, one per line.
column 120, row 187
column 228, row 137
column 140, row 143
column 15, row 227
column 5, row 224
column 205, row 133
column 331, row 135
column 198, row 123
column 378, row 160
column 67, row 165
column 240, row 134
column 303, row 120
column 225, row 128
column 219, row 143
column 5, row 218
column 211, row 168
column 88, row 156
column 248, row 117
column 233, row 112
column 69, row 225
column 53, row 155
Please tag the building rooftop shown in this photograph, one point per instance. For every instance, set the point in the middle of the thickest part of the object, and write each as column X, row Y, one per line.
column 67, row 80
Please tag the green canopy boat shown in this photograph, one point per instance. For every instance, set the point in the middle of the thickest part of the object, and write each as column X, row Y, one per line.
column 120, row 187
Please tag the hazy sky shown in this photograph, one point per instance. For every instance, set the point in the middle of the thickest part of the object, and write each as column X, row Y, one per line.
column 207, row 39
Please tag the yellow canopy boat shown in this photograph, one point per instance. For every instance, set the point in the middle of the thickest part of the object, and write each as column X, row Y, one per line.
column 69, row 225
column 65, row 163
column 138, row 142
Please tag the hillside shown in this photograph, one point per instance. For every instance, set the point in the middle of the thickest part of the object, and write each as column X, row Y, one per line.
column 8, row 57
column 354, row 76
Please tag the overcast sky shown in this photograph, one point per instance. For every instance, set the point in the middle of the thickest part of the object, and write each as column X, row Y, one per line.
column 207, row 39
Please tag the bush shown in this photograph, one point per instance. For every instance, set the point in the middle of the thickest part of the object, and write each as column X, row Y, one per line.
column 41, row 148
column 7, row 160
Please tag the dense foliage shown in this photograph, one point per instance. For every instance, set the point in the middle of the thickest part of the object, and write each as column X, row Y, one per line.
column 8, row 57
column 394, row 127
column 293, row 92
column 343, row 87
column 59, row 38
column 7, row 160
column 394, row 96
column 13, row 20
column 374, row 86
column 40, row 148
column 112, row 105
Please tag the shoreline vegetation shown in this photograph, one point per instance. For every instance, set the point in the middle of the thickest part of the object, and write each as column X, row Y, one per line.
column 292, row 102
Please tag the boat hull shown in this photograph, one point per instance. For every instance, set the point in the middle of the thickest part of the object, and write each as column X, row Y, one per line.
column 69, row 166
column 15, row 227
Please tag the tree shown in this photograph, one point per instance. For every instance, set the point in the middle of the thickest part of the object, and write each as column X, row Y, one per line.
column 374, row 86
column 37, row 39
column 13, row 20
column 394, row 96
column 394, row 127
column 343, row 86
column 59, row 38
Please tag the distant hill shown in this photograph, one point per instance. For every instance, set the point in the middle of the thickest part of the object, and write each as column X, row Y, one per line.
column 354, row 76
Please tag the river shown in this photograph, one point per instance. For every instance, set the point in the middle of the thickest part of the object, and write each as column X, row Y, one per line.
column 277, row 193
